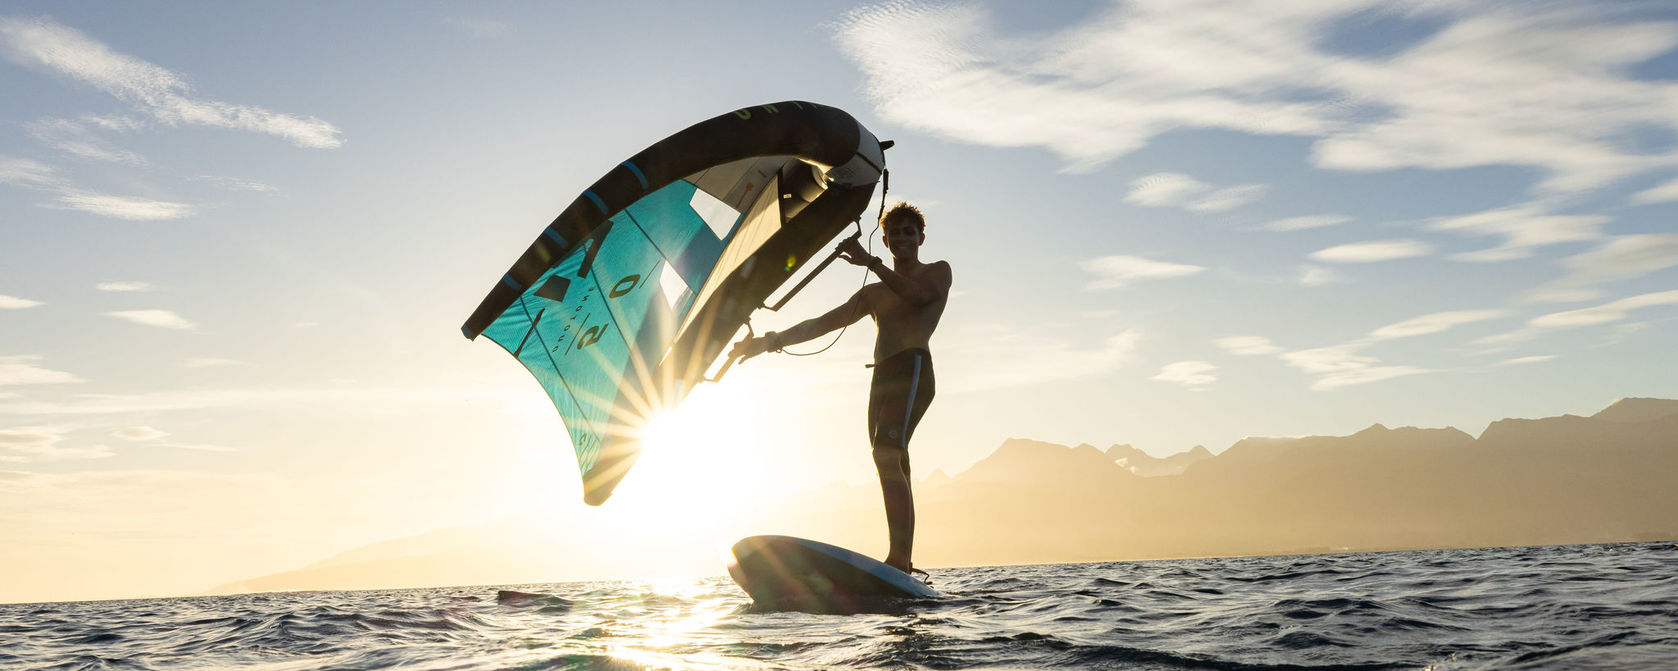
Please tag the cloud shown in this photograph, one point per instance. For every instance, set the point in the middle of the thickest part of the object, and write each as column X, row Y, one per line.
column 21, row 370
column 1316, row 276
column 27, row 172
column 1195, row 375
column 1523, row 227
column 124, row 286
column 1370, row 252
column 1302, row 223
column 1103, row 88
column 1620, row 258
column 1001, row 356
column 1170, row 189
column 15, row 303
column 122, row 207
column 1322, row 360
column 361, row 399
column 152, row 436
column 150, row 89
column 36, row 175
column 1364, row 375
column 1340, row 366
column 1163, row 189
column 236, row 184
column 1433, row 323
column 1229, row 198
column 1663, row 193
column 1247, row 345
column 1526, row 359
column 74, row 138
column 159, row 318
column 1602, row 314
column 40, row 443
column 139, row 433
column 1112, row 272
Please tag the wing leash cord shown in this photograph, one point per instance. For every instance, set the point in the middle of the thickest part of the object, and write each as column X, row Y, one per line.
column 885, row 188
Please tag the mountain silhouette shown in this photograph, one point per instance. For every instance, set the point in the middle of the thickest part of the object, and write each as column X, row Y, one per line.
column 1556, row 480
column 1146, row 465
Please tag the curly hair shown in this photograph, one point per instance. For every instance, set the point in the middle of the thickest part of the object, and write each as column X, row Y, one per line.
column 904, row 210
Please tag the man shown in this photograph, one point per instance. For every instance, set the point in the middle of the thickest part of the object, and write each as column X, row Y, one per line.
column 905, row 304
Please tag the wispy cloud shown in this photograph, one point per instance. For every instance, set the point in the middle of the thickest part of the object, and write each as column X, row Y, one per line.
column 22, row 369
column 331, row 397
column 1371, row 252
column 1170, row 189
column 1620, row 258
column 1247, row 345
column 1302, row 223
column 36, row 175
column 123, row 207
column 1571, row 319
column 1662, row 193
column 1105, row 87
column 124, row 286
column 1346, row 364
column 40, row 443
column 1523, row 227
column 236, row 183
column 28, row 172
column 163, row 319
column 1316, row 276
column 139, row 433
column 15, row 303
column 1526, row 359
column 150, row 89
column 153, row 437
column 1001, row 356
column 1194, row 375
column 1437, row 322
column 1341, row 366
column 74, row 138
column 1112, row 272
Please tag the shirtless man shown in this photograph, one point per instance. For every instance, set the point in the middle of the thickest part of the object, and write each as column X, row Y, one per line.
column 906, row 304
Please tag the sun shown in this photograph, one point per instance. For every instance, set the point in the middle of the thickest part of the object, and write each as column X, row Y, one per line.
column 695, row 462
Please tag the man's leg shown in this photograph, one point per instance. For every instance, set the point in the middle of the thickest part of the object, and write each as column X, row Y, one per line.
column 893, row 466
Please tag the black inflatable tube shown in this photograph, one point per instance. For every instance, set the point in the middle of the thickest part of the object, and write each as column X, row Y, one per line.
column 817, row 134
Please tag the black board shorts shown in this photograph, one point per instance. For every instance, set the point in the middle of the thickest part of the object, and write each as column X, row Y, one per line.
column 902, row 389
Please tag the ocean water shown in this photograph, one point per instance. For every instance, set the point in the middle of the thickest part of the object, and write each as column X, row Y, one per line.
column 1563, row 607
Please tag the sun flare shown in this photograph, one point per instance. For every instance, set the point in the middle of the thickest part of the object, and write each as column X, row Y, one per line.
column 695, row 471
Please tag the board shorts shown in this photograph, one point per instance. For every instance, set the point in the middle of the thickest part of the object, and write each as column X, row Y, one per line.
column 903, row 388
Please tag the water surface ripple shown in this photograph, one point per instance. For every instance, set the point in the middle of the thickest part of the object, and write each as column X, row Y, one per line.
column 1562, row 607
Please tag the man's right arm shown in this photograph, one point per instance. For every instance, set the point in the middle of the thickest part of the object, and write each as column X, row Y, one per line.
column 846, row 314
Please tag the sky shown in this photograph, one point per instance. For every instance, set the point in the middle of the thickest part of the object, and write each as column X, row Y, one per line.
column 237, row 243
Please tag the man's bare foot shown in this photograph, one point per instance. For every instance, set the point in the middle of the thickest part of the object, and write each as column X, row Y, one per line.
column 899, row 564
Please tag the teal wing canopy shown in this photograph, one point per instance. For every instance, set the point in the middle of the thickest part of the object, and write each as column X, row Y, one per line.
column 628, row 298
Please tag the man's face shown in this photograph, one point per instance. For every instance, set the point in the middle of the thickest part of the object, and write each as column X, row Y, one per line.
column 901, row 236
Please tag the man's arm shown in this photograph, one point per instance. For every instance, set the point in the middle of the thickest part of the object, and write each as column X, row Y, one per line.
column 933, row 286
column 846, row 314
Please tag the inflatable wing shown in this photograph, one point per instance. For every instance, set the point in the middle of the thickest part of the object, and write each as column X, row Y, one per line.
column 624, row 302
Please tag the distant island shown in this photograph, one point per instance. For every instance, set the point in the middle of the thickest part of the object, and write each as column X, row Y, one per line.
column 1558, row 480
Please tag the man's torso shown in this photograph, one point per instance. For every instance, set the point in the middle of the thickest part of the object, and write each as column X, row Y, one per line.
column 901, row 324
